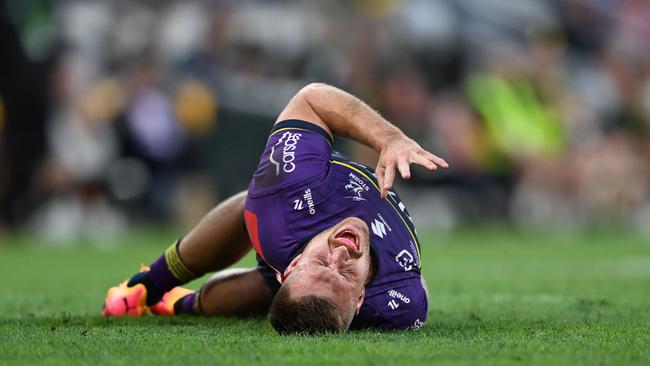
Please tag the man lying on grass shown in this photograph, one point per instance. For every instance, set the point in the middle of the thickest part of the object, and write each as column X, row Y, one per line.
column 335, row 246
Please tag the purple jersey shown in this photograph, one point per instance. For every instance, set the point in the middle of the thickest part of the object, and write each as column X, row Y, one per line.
column 301, row 188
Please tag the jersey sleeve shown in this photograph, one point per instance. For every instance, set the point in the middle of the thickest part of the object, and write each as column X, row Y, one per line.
column 295, row 153
column 400, row 306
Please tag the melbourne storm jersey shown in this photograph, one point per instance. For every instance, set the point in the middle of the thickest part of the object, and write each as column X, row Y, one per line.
column 301, row 188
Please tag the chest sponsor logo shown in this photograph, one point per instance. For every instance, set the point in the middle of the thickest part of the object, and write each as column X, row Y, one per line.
column 397, row 295
column 405, row 260
column 356, row 187
column 307, row 197
column 289, row 142
column 393, row 304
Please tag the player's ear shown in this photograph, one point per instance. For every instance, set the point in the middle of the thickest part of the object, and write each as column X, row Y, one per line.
column 291, row 266
column 362, row 296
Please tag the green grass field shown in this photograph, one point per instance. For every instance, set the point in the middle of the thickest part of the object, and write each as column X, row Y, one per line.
column 497, row 297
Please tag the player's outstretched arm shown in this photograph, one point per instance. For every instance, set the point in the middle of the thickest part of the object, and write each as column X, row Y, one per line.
column 341, row 113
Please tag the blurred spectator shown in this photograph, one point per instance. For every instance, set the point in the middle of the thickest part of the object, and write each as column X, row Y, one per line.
column 160, row 109
column 25, row 108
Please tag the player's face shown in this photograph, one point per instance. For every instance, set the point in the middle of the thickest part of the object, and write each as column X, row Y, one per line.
column 335, row 264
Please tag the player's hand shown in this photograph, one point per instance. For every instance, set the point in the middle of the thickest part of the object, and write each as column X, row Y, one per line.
column 398, row 154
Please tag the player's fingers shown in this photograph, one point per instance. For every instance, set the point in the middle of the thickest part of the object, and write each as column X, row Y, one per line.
column 436, row 159
column 404, row 169
column 389, row 176
column 421, row 160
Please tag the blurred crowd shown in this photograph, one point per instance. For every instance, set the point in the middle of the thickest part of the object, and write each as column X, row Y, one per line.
column 118, row 113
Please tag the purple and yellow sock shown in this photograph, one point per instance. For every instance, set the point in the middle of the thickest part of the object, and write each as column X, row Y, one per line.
column 166, row 272
column 189, row 304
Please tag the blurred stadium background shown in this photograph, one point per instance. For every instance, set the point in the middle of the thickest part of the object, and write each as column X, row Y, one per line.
column 123, row 122
column 118, row 114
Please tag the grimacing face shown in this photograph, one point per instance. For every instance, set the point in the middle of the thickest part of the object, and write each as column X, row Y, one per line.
column 335, row 264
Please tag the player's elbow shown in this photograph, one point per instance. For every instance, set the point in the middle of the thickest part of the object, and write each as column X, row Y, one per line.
column 313, row 90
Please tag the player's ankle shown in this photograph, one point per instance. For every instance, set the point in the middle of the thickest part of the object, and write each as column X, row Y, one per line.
column 165, row 273
column 188, row 304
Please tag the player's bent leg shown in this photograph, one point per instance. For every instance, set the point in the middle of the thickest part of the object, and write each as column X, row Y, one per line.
column 240, row 292
column 219, row 240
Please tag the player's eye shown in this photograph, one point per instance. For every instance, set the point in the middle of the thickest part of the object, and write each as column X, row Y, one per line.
column 347, row 274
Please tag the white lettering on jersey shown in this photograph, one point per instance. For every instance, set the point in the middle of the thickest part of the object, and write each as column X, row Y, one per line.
column 310, row 201
column 357, row 187
column 384, row 222
column 413, row 250
column 396, row 295
column 290, row 141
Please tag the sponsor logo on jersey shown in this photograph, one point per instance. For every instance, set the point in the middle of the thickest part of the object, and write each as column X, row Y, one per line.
column 290, row 141
column 378, row 228
column 396, row 295
column 417, row 324
column 356, row 187
column 405, row 260
column 307, row 197
column 393, row 304
column 381, row 218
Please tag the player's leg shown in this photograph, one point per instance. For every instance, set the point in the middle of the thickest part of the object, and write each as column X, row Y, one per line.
column 238, row 292
column 219, row 240
column 234, row 292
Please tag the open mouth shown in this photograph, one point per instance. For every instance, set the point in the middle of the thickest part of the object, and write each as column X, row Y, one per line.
column 349, row 238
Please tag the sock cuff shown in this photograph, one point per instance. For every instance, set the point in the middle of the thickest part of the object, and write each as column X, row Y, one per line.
column 196, row 307
column 176, row 265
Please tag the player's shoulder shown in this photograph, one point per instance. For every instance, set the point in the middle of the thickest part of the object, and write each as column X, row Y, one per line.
column 296, row 151
column 298, row 126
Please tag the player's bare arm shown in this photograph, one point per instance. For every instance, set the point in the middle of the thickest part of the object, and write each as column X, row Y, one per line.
column 341, row 113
